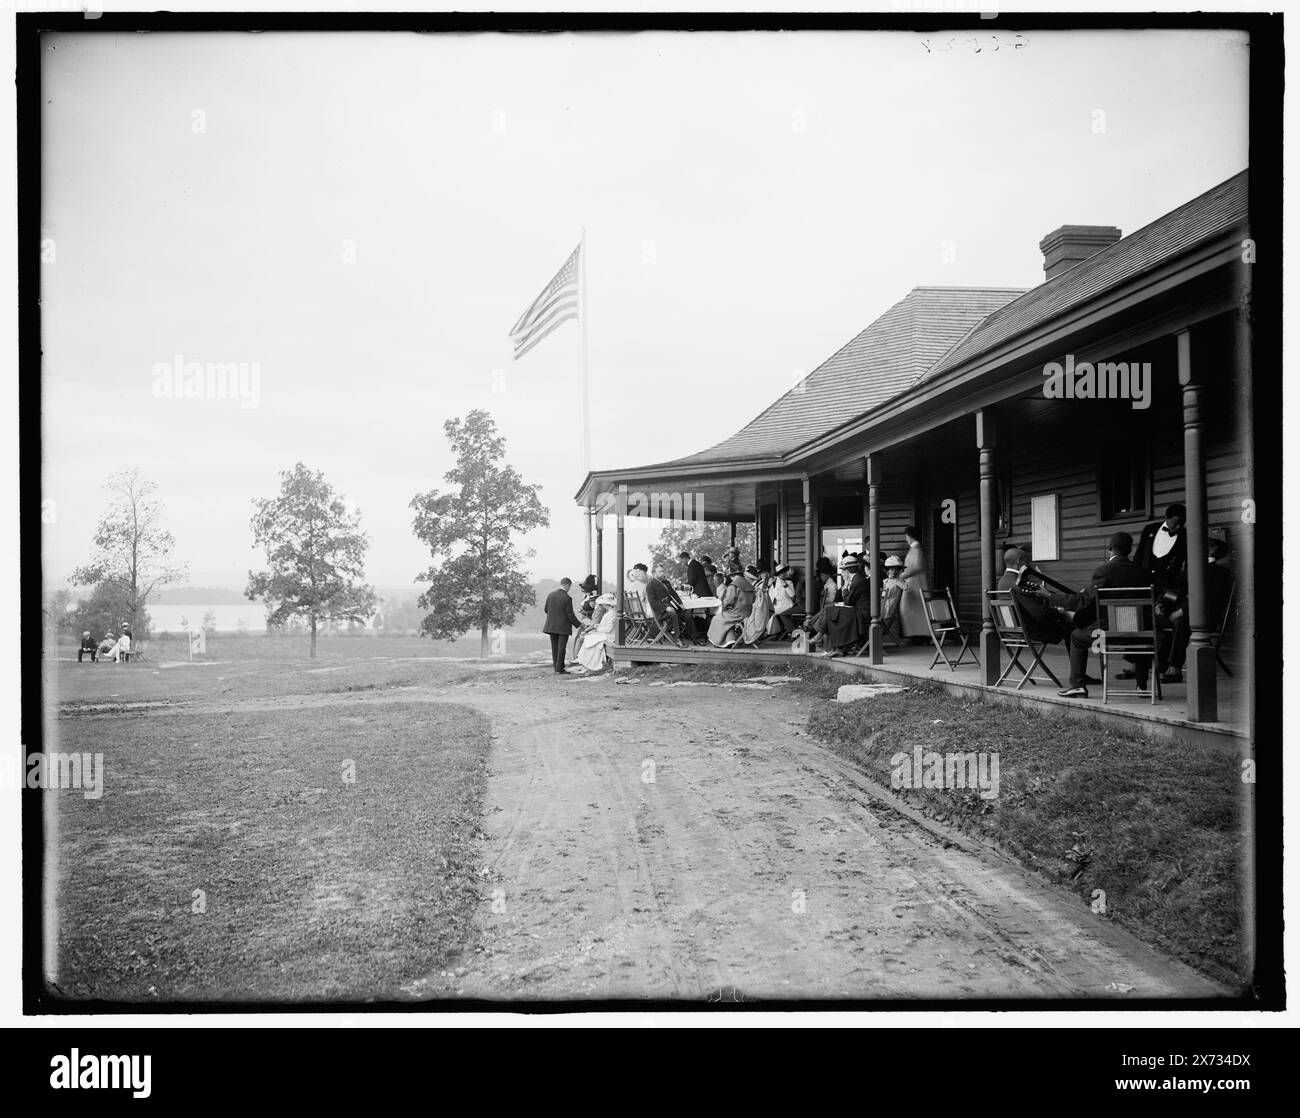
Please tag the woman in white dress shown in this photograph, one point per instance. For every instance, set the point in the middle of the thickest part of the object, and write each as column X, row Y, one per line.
column 592, row 655
column 911, row 609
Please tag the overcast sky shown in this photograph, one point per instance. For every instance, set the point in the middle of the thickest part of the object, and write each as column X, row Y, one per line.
column 751, row 202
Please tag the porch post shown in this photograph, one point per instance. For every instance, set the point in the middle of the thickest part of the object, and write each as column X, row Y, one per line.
column 731, row 524
column 875, row 651
column 587, row 562
column 618, row 551
column 986, row 439
column 1201, row 672
column 778, row 545
column 810, row 557
column 600, row 552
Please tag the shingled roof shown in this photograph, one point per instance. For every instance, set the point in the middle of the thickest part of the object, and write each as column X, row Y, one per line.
column 1206, row 216
column 891, row 354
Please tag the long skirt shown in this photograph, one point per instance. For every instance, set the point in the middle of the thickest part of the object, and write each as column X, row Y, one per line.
column 592, row 655
column 843, row 626
column 911, row 609
column 755, row 628
column 725, row 627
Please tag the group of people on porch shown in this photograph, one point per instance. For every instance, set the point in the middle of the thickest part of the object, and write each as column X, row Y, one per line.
column 727, row 604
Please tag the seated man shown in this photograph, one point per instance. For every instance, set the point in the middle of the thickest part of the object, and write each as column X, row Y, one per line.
column 88, row 647
column 1044, row 614
column 662, row 601
column 1118, row 571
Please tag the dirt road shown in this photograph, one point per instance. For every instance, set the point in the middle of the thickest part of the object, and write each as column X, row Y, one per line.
column 690, row 842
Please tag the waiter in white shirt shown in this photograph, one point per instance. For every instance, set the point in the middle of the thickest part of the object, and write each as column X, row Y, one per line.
column 1162, row 553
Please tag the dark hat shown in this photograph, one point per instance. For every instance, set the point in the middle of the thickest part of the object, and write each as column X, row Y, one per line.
column 640, row 567
column 588, row 584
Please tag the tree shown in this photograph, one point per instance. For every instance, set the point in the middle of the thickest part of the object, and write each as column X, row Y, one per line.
column 315, row 550
column 710, row 539
column 104, row 611
column 478, row 584
column 133, row 552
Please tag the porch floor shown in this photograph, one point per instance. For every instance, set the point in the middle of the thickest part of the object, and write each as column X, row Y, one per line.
column 1169, row 714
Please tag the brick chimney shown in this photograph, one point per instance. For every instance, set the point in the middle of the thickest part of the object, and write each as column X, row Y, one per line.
column 1063, row 248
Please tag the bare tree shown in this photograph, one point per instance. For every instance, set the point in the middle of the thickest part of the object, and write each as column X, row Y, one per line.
column 132, row 550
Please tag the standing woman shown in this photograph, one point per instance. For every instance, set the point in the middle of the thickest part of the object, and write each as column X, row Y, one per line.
column 911, row 609
column 760, row 612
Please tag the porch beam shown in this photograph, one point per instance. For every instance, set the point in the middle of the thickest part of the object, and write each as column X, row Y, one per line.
column 1201, row 671
column 986, row 441
column 875, row 647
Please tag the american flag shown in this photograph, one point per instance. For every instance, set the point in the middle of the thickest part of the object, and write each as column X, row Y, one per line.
column 557, row 303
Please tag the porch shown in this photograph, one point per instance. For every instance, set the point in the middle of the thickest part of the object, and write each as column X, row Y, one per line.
column 1167, row 718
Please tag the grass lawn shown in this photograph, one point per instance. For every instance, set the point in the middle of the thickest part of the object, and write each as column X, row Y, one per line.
column 229, row 858
column 1156, row 826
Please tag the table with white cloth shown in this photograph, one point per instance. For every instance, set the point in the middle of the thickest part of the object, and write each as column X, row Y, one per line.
column 698, row 607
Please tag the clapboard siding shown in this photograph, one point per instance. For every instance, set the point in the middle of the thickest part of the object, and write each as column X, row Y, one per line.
column 795, row 553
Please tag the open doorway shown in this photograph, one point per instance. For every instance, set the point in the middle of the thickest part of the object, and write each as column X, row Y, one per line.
column 942, row 548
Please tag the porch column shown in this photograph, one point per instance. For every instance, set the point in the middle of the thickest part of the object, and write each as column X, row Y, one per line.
column 875, row 649
column 1200, row 670
column 810, row 557
column 587, row 562
column 600, row 552
column 731, row 524
column 986, row 439
column 758, row 528
column 778, row 544
column 618, row 551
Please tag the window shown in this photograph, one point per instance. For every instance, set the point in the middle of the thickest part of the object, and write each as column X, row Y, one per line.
column 1123, row 482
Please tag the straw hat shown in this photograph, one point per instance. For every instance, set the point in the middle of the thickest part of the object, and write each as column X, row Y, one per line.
column 893, row 561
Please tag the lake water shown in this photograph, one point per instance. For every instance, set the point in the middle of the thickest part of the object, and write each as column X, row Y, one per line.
column 166, row 616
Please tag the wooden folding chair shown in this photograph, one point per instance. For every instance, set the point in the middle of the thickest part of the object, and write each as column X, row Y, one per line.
column 1015, row 638
column 1126, row 620
column 941, row 615
column 1223, row 627
column 139, row 652
column 635, row 620
column 656, row 632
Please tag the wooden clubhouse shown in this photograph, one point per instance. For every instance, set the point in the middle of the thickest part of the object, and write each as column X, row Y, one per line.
column 974, row 414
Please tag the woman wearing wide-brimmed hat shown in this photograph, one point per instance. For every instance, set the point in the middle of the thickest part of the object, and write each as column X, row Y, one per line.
column 590, row 592
column 737, row 600
column 844, row 619
column 594, row 653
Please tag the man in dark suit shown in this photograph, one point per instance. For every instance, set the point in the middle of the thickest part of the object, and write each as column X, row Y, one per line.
column 1044, row 614
column 695, row 576
column 662, row 600
column 1162, row 552
column 1014, row 561
column 1118, row 571
column 560, row 622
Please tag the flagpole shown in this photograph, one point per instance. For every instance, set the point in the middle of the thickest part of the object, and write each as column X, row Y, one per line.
column 582, row 380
